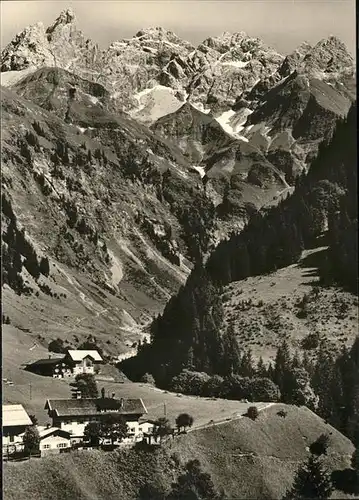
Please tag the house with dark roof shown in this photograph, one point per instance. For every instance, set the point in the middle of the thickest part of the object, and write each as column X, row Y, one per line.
column 71, row 364
column 49, row 367
column 72, row 415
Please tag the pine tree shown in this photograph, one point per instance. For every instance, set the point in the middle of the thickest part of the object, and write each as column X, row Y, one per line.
column 194, row 484
column 282, row 367
column 307, row 363
column 31, row 440
column 246, row 367
column 44, row 266
column 296, row 361
column 261, row 370
column 270, row 371
column 230, row 352
column 327, row 386
column 311, row 481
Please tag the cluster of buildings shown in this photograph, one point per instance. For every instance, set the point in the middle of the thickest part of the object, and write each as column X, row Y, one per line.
column 69, row 417
column 70, row 364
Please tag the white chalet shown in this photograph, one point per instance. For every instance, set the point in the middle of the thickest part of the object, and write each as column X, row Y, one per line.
column 72, row 415
column 14, row 422
column 53, row 440
column 81, row 361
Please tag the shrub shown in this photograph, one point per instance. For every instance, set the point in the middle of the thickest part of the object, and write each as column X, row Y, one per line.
column 38, row 129
column 252, row 412
column 32, row 139
column 184, row 420
column 311, row 341
column 302, row 314
column 86, row 384
column 263, row 389
column 147, row 378
column 57, row 346
column 5, row 320
column 320, row 446
column 190, row 382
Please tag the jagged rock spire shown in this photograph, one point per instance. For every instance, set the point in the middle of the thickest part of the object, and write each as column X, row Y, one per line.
column 66, row 17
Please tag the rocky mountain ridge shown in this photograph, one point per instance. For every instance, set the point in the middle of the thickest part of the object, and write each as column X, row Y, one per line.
column 213, row 75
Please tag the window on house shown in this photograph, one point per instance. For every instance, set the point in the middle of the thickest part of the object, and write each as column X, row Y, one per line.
column 133, row 429
column 12, row 439
column 46, row 446
column 61, row 445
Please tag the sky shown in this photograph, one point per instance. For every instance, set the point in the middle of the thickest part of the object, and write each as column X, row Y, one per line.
column 283, row 24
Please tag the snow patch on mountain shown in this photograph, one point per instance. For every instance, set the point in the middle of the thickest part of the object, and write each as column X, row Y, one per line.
column 200, row 170
column 155, row 102
column 233, row 122
column 199, row 106
column 9, row 78
column 236, row 64
column 224, row 120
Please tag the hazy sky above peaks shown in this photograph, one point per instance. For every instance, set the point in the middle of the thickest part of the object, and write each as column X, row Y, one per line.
column 284, row 24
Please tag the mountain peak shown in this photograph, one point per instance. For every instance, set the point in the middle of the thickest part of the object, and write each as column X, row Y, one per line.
column 154, row 32
column 67, row 17
column 333, row 40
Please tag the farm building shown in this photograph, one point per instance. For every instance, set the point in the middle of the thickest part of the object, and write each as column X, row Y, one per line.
column 48, row 367
column 69, row 365
column 14, row 422
column 53, row 440
column 72, row 415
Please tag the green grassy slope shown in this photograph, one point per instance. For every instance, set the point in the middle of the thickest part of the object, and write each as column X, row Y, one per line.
column 247, row 459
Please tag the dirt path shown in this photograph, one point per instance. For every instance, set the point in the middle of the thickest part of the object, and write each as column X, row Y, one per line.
column 231, row 419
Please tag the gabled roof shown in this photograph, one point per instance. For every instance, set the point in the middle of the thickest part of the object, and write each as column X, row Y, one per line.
column 45, row 432
column 13, row 415
column 46, row 361
column 90, row 406
column 79, row 355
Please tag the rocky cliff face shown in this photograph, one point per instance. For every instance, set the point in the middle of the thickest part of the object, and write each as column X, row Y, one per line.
column 196, row 134
column 61, row 45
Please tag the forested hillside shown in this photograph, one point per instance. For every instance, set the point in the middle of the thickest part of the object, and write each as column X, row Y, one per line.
column 324, row 201
column 187, row 335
